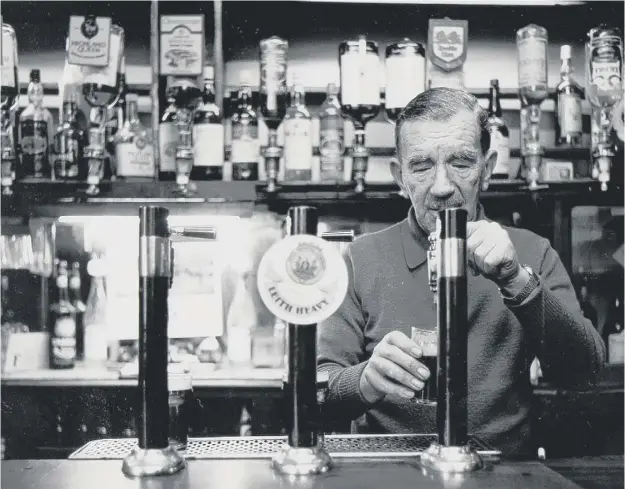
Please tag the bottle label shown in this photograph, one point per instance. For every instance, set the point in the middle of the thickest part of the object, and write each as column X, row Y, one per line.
column 360, row 84
column 244, row 143
column 606, row 75
column 302, row 279
column 331, row 149
column 167, row 139
column 8, row 63
column 273, row 54
column 35, row 161
column 135, row 159
column 501, row 144
column 208, row 145
column 569, row 114
column 298, row 144
column 67, row 160
column 532, row 62
column 64, row 340
column 405, row 79
column 106, row 75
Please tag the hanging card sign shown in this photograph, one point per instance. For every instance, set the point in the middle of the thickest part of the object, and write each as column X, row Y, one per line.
column 182, row 45
column 447, row 51
column 89, row 40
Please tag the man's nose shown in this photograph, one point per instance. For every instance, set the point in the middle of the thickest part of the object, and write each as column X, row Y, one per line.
column 442, row 187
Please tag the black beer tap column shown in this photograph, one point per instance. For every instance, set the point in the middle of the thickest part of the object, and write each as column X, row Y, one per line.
column 302, row 279
column 452, row 453
column 303, row 411
column 153, row 456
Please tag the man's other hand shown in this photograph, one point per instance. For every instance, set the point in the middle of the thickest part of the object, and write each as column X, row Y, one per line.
column 393, row 369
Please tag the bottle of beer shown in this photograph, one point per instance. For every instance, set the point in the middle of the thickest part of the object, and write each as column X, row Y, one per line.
column 499, row 135
column 63, row 320
column 75, row 285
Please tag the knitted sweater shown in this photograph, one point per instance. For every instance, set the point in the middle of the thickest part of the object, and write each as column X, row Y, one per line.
column 389, row 291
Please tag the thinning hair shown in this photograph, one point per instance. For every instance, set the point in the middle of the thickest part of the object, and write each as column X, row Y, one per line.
column 441, row 104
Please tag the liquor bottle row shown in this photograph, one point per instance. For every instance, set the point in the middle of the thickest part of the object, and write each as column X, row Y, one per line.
column 191, row 134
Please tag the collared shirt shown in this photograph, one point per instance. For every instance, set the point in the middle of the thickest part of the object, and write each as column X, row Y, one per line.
column 389, row 291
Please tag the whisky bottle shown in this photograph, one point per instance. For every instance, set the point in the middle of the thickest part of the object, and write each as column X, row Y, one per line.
column 331, row 137
column 134, row 148
column 499, row 134
column 69, row 140
column 35, row 132
column 569, row 104
column 168, row 137
column 298, row 138
column 245, row 148
column 208, row 134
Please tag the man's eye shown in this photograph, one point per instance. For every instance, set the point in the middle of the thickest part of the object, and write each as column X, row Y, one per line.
column 462, row 164
column 421, row 166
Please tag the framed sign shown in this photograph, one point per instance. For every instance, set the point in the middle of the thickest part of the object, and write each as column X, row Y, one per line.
column 182, row 45
column 89, row 40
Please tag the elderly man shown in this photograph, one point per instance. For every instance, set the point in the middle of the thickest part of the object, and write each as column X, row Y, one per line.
column 521, row 303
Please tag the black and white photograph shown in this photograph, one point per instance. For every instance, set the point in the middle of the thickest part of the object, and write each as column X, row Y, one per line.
column 312, row 244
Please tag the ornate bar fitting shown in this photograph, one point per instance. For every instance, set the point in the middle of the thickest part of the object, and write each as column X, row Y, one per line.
column 302, row 279
column 452, row 453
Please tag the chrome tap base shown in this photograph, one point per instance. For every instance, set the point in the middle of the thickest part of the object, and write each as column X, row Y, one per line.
column 153, row 462
column 451, row 460
column 301, row 461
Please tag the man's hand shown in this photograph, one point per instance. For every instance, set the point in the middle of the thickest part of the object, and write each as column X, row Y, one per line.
column 393, row 369
column 491, row 253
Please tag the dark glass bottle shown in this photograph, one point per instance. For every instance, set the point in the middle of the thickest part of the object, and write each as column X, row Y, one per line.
column 69, row 142
column 499, row 134
column 75, row 287
column 244, row 146
column 63, row 321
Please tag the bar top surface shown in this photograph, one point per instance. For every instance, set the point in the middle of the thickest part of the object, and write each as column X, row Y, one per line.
column 245, row 474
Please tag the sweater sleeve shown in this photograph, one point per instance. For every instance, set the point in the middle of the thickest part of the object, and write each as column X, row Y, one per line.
column 340, row 353
column 570, row 350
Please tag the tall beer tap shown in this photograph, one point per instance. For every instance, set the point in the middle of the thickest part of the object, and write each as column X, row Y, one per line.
column 451, row 454
column 302, row 279
column 154, row 455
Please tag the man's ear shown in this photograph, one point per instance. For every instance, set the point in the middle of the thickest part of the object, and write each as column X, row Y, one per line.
column 490, row 159
column 396, row 171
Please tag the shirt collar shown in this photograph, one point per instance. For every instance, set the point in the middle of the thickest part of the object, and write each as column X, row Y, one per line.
column 415, row 240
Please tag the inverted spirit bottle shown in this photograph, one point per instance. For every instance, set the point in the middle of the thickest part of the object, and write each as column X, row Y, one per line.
column 35, row 132
column 569, row 104
column 604, row 89
column 244, row 149
column 405, row 75
column 208, row 134
column 298, row 139
column 10, row 82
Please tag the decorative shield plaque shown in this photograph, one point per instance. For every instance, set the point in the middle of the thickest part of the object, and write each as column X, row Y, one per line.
column 447, row 43
column 302, row 279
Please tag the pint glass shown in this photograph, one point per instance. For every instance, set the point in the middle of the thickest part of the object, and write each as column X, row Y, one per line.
column 427, row 340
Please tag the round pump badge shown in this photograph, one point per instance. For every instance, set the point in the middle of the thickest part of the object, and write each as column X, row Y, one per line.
column 302, row 279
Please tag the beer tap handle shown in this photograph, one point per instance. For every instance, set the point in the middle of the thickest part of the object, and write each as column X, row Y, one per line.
column 340, row 236
column 192, row 233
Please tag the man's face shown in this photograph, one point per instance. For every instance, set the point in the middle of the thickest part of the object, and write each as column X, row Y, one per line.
column 441, row 165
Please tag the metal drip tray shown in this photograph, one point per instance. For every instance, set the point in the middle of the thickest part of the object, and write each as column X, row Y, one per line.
column 255, row 447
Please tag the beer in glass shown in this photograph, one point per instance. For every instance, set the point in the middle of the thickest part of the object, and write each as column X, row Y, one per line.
column 427, row 340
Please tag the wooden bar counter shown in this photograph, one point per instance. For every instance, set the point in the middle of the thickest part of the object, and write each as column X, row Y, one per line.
column 248, row 474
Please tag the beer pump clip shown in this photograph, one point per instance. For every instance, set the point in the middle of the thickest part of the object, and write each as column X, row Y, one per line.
column 154, row 455
column 302, row 279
